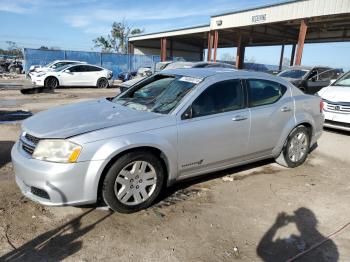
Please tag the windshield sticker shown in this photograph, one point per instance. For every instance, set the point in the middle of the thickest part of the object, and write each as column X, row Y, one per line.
column 191, row 79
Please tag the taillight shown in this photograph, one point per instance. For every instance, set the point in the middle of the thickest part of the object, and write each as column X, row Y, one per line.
column 321, row 106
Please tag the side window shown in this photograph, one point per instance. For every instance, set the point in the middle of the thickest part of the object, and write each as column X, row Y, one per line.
column 94, row 68
column 77, row 69
column 218, row 98
column 326, row 74
column 264, row 92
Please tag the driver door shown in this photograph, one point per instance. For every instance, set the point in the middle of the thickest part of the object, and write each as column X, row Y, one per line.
column 216, row 132
column 318, row 80
column 74, row 77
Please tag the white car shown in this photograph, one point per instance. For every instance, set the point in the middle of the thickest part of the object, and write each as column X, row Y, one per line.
column 51, row 66
column 336, row 99
column 74, row 75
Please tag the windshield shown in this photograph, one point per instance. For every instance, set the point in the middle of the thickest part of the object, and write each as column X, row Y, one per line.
column 293, row 73
column 158, row 94
column 343, row 81
column 50, row 64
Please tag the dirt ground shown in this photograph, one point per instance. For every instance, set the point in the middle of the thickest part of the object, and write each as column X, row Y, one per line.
column 259, row 212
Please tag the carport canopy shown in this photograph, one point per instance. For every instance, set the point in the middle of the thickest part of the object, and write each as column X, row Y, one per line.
column 292, row 22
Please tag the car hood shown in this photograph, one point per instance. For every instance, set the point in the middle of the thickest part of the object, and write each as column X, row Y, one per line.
column 75, row 119
column 336, row 94
column 291, row 79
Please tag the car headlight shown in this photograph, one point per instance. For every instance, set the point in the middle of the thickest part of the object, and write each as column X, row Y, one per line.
column 40, row 74
column 57, row 150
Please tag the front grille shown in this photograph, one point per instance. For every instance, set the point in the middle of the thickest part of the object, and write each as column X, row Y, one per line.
column 28, row 143
column 339, row 108
column 39, row 192
column 336, row 123
column 29, row 149
column 32, row 139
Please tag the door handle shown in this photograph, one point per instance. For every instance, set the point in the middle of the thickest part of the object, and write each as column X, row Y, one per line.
column 239, row 118
column 286, row 109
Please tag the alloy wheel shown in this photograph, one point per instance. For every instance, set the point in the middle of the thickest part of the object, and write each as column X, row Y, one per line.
column 135, row 183
column 298, row 147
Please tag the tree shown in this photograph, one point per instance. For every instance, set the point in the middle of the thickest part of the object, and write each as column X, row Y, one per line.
column 117, row 40
column 12, row 49
column 227, row 57
column 251, row 60
column 285, row 61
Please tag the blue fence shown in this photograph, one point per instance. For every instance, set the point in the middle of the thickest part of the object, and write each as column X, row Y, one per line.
column 115, row 62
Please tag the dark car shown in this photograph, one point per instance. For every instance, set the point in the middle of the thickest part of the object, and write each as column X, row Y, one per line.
column 310, row 79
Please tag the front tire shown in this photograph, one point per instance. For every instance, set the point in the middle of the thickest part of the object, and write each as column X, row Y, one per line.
column 133, row 182
column 296, row 149
column 102, row 83
column 51, row 82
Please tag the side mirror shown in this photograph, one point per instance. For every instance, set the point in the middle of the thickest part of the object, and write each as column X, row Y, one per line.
column 187, row 114
column 53, row 67
column 67, row 71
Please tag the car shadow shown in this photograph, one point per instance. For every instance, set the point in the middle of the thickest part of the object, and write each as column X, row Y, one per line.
column 303, row 246
column 56, row 244
column 182, row 185
column 5, row 152
column 17, row 115
column 38, row 90
column 336, row 131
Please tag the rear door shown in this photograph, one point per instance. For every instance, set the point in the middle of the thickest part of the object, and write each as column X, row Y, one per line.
column 217, row 132
column 271, row 108
column 90, row 75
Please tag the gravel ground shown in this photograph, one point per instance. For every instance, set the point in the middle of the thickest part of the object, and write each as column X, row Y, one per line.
column 259, row 212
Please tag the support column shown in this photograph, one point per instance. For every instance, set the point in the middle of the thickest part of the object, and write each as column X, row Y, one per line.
column 130, row 48
column 163, row 44
column 301, row 40
column 210, row 45
column 216, row 41
column 292, row 56
column 281, row 58
column 171, row 49
column 240, row 52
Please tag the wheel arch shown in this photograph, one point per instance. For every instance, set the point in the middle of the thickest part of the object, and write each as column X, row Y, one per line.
column 154, row 150
column 50, row 76
column 301, row 120
column 99, row 78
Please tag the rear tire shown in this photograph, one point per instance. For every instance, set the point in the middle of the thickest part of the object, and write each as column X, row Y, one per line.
column 296, row 148
column 102, row 83
column 133, row 182
column 51, row 82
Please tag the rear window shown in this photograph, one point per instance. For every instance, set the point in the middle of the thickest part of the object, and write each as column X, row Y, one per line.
column 264, row 92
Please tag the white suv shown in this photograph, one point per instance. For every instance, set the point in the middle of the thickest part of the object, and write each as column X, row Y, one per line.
column 74, row 75
column 336, row 98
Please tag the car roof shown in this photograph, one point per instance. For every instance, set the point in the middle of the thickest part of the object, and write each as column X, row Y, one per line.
column 211, row 71
column 306, row 67
column 70, row 61
column 84, row 64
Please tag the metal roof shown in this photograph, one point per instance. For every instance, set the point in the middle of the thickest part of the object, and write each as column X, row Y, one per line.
column 172, row 30
column 235, row 11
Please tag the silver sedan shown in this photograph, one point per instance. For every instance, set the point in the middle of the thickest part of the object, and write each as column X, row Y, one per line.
column 171, row 126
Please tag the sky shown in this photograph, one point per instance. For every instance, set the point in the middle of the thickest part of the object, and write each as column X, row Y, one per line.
column 72, row 24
